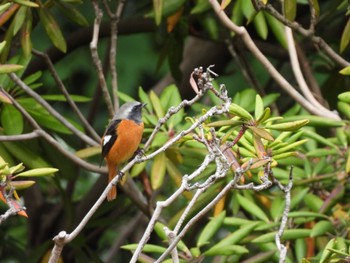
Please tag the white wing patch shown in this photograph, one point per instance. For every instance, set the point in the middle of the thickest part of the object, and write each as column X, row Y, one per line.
column 106, row 139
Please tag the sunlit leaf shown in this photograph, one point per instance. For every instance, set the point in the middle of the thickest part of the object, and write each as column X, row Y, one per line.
column 158, row 8
column 158, row 171
column 290, row 9
column 345, row 37
column 26, row 3
column 8, row 68
column 20, row 185
column 19, row 19
column 37, row 172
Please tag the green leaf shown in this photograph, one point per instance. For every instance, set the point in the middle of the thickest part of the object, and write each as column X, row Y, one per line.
column 321, row 228
column 227, row 250
column 22, row 152
column 316, row 120
column 345, row 96
column 289, row 147
column 345, row 37
column 289, row 234
column 316, row 7
column 237, row 15
column 288, row 126
column 158, row 8
column 201, row 6
column 290, row 9
column 261, row 132
column 240, row 112
column 52, row 29
column 344, row 108
column 19, row 19
column 259, row 107
column 38, row 172
column 158, row 170
column 26, row 3
column 210, row 229
column 59, row 97
column 8, row 68
column 16, row 169
column 88, row 152
column 43, row 117
column 159, row 229
column 157, row 106
column 171, row 97
column 233, row 238
column 252, row 208
column 307, row 213
column 277, row 29
column 345, row 71
column 318, row 138
column 260, row 25
column 11, row 120
column 3, row 8
column 26, row 31
column 72, row 13
column 145, row 99
column 326, row 254
column 148, row 248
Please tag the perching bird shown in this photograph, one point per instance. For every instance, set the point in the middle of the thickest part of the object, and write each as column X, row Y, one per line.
column 121, row 139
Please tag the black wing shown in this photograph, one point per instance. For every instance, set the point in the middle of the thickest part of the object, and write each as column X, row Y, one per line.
column 112, row 135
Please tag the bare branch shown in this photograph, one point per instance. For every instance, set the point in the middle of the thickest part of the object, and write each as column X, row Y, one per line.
column 19, row 137
column 52, row 111
column 51, row 140
column 242, row 32
column 96, row 60
column 64, row 91
column 300, row 78
column 305, row 32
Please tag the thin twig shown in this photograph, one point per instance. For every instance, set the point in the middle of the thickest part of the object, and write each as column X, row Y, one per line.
column 242, row 32
column 305, row 32
column 300, row 78
column 64, row 91
column 52, row 111
column 96, row 60
column 20, row 137
column 51, row 140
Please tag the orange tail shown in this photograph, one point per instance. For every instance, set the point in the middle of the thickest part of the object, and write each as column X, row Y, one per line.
column 112, row 170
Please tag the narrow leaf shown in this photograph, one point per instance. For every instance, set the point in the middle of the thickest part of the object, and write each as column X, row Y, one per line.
column 38, row 172
column 239, row 111
column 345, row 37
column 290, row 9
column 210, row 229
column 8, row 68
column 11, row 120
column 158, row 8
column 52, row 29
column 158, row 170
column 252, row 208
column 288, row 126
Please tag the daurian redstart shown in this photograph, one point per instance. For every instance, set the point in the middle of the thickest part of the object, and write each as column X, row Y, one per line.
column 121, row 139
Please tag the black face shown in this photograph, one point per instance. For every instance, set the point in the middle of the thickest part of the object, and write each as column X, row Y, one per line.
column 136, row 113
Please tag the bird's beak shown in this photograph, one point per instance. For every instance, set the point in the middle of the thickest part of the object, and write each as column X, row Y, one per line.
column 144, row 105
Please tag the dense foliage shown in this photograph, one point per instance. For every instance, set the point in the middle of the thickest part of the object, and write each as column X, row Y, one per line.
column 66, row 65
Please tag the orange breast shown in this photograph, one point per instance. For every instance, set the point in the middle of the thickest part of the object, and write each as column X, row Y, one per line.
column 129, row 137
